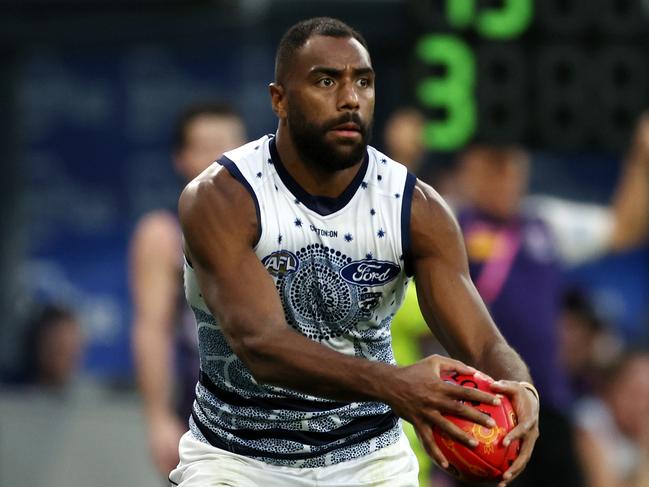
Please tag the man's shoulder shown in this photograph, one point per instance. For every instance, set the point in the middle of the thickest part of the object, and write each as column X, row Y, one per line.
column 157, row 232
column 429, row 209
column 216, row 204
column 215, row 185
column 160, row 221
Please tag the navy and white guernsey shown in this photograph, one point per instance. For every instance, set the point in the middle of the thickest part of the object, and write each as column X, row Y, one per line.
column 339, row 265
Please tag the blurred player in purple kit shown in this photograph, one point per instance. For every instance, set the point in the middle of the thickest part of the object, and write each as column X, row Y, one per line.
column 164, row 331
column 518, row 246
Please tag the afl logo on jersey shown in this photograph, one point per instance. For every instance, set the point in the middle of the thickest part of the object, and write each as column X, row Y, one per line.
column 280, row 263
column 370, row 272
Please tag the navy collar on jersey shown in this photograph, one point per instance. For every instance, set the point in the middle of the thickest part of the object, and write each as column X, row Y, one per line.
column 323, row 205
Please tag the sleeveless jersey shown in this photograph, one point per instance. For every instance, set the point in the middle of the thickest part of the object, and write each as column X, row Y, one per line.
column 339, row 265
column 186, row 352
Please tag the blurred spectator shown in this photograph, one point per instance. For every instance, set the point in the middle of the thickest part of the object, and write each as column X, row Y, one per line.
column 613, row 439
column 586, row 343
column 53, row 348
column 403, row 136
column 164, row 329
column 517, row 246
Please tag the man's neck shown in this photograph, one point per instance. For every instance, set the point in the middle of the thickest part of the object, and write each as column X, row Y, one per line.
column 315, row 180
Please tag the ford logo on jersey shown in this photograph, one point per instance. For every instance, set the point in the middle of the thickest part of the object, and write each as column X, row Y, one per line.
column 370, row 272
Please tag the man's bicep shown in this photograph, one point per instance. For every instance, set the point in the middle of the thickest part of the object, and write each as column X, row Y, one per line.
column 216, row 215
column 219, row 225
column 153, row 269
column 448, row 299
column 244, row 301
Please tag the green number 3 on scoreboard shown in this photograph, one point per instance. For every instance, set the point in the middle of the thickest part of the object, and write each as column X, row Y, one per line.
column 451, row 93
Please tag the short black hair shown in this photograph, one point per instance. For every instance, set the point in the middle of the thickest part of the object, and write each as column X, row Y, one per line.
column 296, row 36
column 210, row 108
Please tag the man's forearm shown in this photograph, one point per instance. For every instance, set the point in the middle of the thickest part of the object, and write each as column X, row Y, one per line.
column 290, row 360
column 501, row 361
column 631, row 200
column 631, row 204
column 153, row 359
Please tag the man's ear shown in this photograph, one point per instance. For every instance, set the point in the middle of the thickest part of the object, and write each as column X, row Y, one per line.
column 278, row 99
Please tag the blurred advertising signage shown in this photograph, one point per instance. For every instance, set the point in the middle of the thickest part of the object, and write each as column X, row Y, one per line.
column 556, row 74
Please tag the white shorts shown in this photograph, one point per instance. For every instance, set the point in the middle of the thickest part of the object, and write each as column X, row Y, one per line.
column 202, row 465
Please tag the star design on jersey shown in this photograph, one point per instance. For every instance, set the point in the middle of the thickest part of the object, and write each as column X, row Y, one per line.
column 296, row 201
column 380, row 233
column 397, row 195
column 298, row 222
column 372, row 211
column 348, row 237
column 384, row 161
column 364, row 185
column 279, row 238
column 379, row 177
column 369, row 255
column 259, row 175
column 270, row 161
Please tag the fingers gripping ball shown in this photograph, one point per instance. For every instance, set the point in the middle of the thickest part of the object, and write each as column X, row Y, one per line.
column 490, row 459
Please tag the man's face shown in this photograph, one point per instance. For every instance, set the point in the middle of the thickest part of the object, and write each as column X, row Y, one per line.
column 207, row 137
column 494, row 180
column 59, row 352
column 330, row 102
column 404, row 139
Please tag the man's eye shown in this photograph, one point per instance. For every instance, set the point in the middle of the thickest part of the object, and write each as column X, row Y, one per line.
column 364, row 82
column 326, row 82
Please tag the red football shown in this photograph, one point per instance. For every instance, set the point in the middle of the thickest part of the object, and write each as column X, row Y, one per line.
column 490, row 459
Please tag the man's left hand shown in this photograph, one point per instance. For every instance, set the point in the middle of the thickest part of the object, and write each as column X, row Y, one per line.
column 526, row 405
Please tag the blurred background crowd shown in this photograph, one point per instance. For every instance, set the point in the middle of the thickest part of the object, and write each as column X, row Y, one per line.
column 531, row 118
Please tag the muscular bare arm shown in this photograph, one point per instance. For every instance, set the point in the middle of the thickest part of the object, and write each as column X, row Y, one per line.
column 447, row 297
column 631, row 199
column 456, row 314
column 155, row 284
column 219, row 225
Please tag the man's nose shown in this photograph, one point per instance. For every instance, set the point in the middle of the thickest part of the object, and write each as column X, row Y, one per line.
column 348, row 98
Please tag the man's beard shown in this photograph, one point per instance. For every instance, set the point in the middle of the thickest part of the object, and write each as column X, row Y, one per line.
column 312, row 147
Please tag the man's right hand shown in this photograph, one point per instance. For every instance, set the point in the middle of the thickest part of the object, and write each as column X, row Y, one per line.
column 421, row 397
column 165, row 431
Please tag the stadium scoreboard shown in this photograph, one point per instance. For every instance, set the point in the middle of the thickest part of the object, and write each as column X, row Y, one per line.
column 555, row 74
